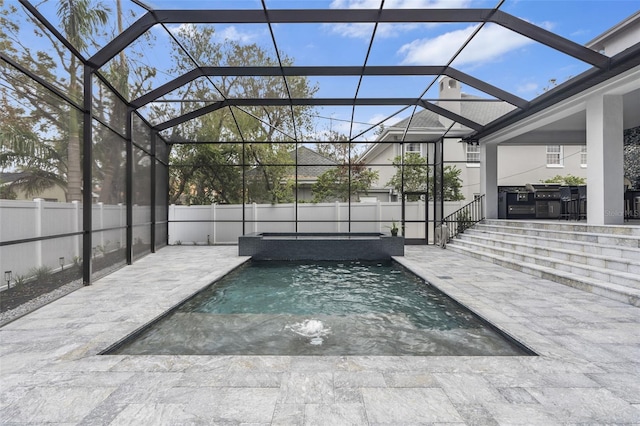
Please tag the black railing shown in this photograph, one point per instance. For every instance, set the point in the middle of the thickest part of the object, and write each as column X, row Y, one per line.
column 465, row 217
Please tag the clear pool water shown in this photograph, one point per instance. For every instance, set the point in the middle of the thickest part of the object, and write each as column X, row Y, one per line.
column 320, row 308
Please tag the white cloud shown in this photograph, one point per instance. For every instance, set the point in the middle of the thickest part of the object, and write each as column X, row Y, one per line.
column 494, row 40
column 220, row 35
column 232, row 33
column 385, row 30
column 527, row 88
column 399, row 4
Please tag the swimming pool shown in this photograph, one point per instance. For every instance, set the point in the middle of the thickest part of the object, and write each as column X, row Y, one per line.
column 320, row 308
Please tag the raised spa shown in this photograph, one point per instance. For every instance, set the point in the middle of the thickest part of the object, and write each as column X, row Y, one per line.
column 320, row 246
column 320, row 308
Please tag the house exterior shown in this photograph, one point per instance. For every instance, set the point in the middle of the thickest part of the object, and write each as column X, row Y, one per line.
column 10, row 184
column 518, row 165
column 310, row 166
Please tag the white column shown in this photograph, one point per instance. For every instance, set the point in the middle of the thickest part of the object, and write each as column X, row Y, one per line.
column 489, row 179
column 605, row 176
column 337, row 215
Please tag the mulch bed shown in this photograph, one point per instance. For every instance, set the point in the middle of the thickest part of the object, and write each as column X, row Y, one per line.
column 23, row 293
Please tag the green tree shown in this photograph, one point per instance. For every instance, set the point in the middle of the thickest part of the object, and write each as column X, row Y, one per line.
column 80, row 20
column 415, row 174
column 566, row 180
column 50, row 153
column 452, row 184
column 268, row 166
column 335, row 185
column 412, row 175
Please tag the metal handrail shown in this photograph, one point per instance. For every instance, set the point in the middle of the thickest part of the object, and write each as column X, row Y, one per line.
column 465, row 217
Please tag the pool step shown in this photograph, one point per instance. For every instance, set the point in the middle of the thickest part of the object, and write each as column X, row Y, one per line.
column 604, row 260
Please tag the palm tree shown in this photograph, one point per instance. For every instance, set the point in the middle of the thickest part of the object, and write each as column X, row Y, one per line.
column 80, row 19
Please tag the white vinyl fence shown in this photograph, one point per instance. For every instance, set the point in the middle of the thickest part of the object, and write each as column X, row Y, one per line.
column 20, row 220
column 210, row 224
column 222, row 224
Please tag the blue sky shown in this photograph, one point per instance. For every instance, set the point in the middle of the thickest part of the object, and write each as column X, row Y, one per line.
column 496, row 55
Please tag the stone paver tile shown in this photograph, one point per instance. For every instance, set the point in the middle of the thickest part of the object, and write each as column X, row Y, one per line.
column 307, row 388
column 416, row 379
column 66, row 379
column 541, row 379
column 103, row 414
column 347, row 395
column 358, row 379
column 521, row 414
column 264, row 364
column 405, row 406
column 517, row 396
column 586, row 405
column 231, row 379
column 156, row 414
column 334, row 414
column 474, row 414
column 468, row 388
column 143, row 388
column 624, row 386
column 220, row 405
column 141, row 363
column 55, row 404
column 288, row 415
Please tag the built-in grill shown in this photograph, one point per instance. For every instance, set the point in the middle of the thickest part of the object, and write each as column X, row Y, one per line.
column 547, row 200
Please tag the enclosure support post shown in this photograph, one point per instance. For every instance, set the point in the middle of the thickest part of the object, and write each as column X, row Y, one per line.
column 152, row 195
column 87, row 164
column 129, row 186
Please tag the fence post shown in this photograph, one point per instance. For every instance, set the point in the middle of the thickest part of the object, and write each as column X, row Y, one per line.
column 172, row 225
column 76, row 227
column 39, row 206
column 379, row 215
column 121, row 223
column 254, row 207
column 212, row 227
column 337, row 215
column 101, row 224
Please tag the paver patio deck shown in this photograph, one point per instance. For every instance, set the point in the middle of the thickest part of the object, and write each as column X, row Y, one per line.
column 587, row 371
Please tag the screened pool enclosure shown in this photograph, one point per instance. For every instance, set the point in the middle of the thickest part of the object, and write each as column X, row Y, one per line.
column 256, row 114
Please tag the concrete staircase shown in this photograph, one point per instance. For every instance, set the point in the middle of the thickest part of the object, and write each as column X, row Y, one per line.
column 603, row 260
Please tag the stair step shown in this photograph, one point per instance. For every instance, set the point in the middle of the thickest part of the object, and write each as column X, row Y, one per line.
column 607, row 289
column 602, row 274
column 612, row 251
column 540, row 247
column 618, row 240
column 574, row 227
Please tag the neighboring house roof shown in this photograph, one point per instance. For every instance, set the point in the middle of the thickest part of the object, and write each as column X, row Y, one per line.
column 481, row 112
column 311, row 164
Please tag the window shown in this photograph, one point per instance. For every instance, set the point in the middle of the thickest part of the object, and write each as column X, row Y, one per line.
column 413, row 147
column 473, row 153
column 554, row 156
column 583, row 156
